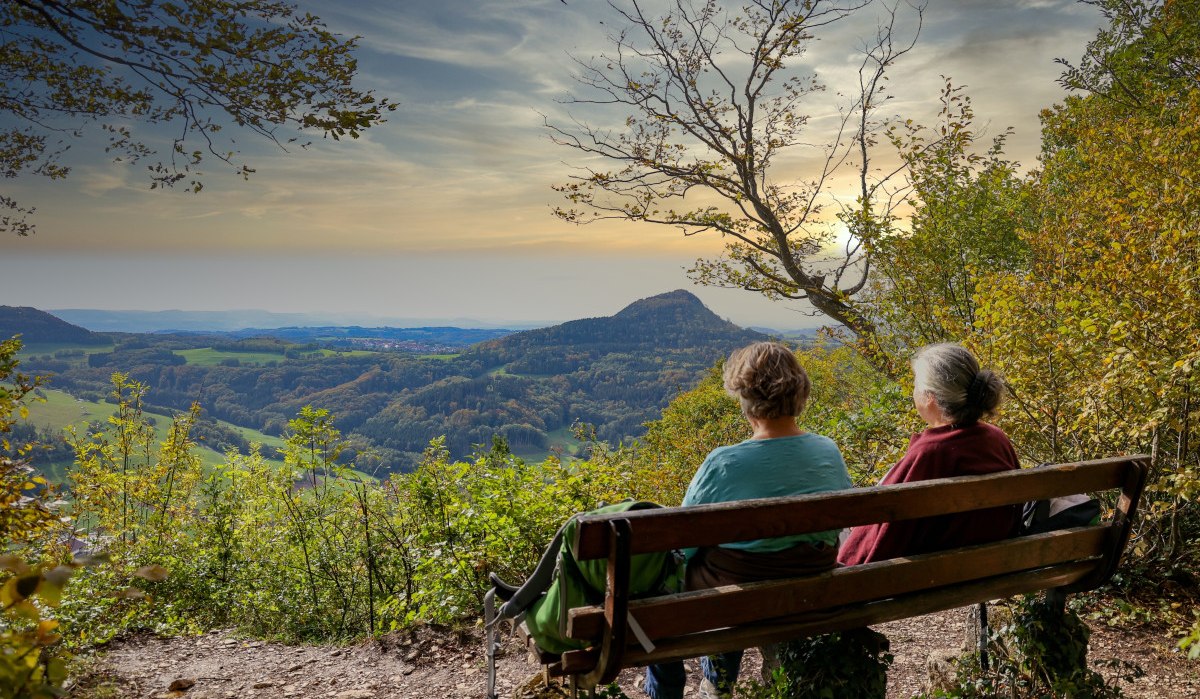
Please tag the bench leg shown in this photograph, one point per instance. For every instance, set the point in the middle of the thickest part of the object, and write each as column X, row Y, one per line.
column 983, row 637
column 1057, row 599
column 578, row 692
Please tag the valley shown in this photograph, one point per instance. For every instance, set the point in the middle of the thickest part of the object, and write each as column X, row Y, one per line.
column 529, row 388
column 55, row 412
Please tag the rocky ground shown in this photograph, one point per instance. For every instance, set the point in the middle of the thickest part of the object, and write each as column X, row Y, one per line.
column 432, row 663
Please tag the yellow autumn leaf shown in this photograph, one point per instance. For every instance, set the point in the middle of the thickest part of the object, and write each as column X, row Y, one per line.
column 45, row 632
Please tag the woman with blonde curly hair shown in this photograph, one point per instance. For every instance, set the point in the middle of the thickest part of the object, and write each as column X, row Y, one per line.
column 778, row 459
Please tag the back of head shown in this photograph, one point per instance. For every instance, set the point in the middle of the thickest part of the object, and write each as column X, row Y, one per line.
column 768, row 380
column 951, row 374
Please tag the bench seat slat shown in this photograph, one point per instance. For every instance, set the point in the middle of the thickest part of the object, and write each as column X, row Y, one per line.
column 900, row 607
column 733, row 605
column 709, row 525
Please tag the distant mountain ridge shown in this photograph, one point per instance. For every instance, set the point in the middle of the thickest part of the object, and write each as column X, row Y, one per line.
column 614, row 373
column 255, row 322
column 36, row 326
column 134, row 321
column 673, row 320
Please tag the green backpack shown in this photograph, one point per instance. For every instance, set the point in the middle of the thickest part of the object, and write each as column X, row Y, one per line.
column 581, row 583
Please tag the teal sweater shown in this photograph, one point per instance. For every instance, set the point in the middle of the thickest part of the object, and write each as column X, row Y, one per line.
column 768, row 468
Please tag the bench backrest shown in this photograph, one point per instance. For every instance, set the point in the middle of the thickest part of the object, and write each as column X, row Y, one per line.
column 737, row 616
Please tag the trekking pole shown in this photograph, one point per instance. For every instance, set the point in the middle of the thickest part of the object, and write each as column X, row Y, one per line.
column 491, row 639
column 983, row 637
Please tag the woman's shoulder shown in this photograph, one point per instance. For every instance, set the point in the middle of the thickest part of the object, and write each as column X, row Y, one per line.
column 932, row 444
column 935, row 437
column 819, row 442
column 724, row 450
column 989, row 431
column 722, row 457
column 805, row 441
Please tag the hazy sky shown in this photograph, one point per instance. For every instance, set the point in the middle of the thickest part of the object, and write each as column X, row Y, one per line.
column 444, row 212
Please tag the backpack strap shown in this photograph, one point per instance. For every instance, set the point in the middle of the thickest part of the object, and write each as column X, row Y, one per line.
column 533, row 587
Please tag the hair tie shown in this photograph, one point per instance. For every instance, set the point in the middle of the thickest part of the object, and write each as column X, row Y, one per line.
column 976, row 389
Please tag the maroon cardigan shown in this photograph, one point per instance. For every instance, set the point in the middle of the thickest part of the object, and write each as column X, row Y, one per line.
column 940, row 452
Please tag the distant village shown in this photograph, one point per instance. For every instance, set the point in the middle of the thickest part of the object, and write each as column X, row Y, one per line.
column 378, row 344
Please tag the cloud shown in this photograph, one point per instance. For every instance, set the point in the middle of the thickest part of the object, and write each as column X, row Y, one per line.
column 96, row 181
column 515, row 42
column 465, row 163
column 457, row 184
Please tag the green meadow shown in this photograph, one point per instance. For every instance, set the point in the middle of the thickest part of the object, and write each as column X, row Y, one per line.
column 208, row 356
column 561, row 441
column 79, row 356
column 62, row 411
column 203, row 356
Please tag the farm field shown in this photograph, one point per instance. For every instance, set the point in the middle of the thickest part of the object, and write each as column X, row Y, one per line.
column 61, row 410
column 207, row 356
column 561, row 441
column 76, row 355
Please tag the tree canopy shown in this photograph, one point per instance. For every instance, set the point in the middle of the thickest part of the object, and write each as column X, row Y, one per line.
column 1078, row 282
column 968, row 207
column 197, row 67
column 1149, row 47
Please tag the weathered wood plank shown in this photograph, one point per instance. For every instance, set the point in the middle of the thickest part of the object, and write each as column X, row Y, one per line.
column 733, row 605
column 615, row 609
column 1122, row 524
column 709, row 525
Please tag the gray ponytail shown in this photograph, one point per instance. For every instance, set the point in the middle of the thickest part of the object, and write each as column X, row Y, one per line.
column 964, row 392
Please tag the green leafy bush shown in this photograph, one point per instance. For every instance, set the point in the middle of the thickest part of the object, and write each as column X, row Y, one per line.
column 1040, row 652
column 33, row 565
column 845, row 664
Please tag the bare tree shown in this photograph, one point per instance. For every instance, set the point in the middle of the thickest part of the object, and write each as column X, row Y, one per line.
column 714, row 100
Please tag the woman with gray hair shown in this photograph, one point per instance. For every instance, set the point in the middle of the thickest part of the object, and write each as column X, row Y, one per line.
column 952, row 395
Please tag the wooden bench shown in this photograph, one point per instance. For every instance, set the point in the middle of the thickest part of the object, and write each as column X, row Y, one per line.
column 700, row 622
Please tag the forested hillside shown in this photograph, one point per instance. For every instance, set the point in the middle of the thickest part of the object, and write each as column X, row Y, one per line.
column 614, row 373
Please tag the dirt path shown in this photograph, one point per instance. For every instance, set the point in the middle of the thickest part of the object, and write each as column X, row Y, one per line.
column 438, row 664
